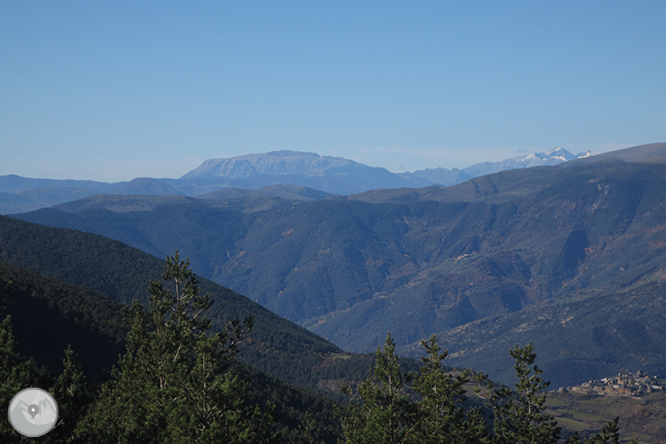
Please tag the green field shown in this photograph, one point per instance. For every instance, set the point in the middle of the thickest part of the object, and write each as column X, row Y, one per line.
column 643, row 418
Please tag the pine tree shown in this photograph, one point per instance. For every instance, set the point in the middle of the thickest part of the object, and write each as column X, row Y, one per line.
column 518, row 414
column 610, row 433
column 439, row 412
column 16, row 371
column 16, row 374
column 173, row 385
column 384, row 414
column 70, row 391
column 441, row 416
column 307, row 431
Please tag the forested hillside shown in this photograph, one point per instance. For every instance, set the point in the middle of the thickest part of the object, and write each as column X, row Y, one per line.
column 418, row 261
column 593, row 335
column 48, row 315
column 177, row 382
column 92, row 323
column 121, row 273
column 66, row 339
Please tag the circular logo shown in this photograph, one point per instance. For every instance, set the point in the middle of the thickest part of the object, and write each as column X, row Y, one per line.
column 33, row 412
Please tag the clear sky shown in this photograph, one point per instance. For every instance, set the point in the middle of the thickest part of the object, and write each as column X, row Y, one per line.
column 112, row 90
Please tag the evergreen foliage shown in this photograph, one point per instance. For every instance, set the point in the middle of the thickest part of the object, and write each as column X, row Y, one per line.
column 173, row 384
column 74, row 316
column 518, row 414
column 438, row 411
column 73, row 397
column 385, row 259
column 16, row 373
column 277, row 346
column 179, row 382
column 441, row 415
column 384, row 413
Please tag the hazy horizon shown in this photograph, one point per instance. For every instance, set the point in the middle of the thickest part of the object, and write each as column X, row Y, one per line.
column 242, row 155
column 111, row 92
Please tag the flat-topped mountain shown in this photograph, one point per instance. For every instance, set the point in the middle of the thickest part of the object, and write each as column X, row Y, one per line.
column 327, row 174
column 335, row 175
column 274, row 163
column 417, row 261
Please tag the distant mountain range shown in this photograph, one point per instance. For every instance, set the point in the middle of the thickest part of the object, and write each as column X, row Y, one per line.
column 443, row 176
column 268, row 171
column 570, row 256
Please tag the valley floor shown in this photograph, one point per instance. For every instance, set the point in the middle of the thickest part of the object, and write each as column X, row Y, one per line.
column 641, row 417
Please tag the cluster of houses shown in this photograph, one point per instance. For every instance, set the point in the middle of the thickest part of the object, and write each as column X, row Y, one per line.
column 624, row 384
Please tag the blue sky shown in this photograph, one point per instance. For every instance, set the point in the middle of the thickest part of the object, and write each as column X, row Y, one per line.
column 120, row 89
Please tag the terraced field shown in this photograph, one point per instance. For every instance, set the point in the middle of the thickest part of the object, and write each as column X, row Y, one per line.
column 643, row 418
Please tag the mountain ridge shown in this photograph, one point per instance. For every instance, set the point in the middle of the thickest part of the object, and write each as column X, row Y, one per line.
column 276, row 346
column 333, row 175
column 283, row 162
column 446, row 177
column 418, row 261
column 94, row 327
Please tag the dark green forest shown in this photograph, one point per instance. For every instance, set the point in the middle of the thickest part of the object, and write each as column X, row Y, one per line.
column 178, row 381
column 121, row 274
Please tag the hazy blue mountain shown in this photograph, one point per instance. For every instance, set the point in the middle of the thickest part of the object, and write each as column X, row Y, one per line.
column 552, row 157
column 269, row 171
column 15, row 203
column 286, row 191
column 651, row 153
column 443, row 176
column 421, row 260
column 274, row 163
column 12, row 183
column 19, row 194
column 326, row 173
column 24, row 194
column 148, row 187
column 454, row 176
column 597, row 333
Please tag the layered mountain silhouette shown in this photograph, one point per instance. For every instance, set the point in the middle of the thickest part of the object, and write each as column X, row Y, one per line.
column 500, row 255
column 269, row 172
column 326, row 173
column 444, row 176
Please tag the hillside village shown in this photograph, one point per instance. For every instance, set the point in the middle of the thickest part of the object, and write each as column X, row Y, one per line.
column 624, row 384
